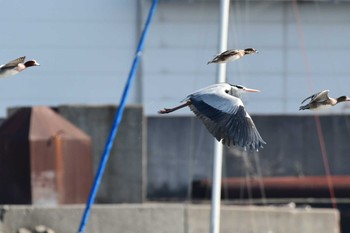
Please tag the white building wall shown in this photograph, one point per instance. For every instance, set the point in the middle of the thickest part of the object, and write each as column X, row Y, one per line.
column 86, row 49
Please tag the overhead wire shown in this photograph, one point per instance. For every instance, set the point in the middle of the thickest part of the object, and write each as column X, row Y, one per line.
column 320, row 135
column 239, row 30
column 198, row 136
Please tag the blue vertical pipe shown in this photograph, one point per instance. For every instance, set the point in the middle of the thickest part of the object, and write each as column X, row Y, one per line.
column 116, row 121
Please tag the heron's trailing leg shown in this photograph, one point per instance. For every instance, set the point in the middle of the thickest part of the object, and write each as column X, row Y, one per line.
column 169, row 110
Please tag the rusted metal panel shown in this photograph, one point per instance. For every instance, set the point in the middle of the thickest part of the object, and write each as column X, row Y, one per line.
column 276, row 187
column 43, row 174
column 70, row 157
column 75, row 171
column 58, row 157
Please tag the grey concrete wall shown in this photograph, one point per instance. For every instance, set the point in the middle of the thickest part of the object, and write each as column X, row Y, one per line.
column 180, row 150
column 125, row 175
column 172, row 218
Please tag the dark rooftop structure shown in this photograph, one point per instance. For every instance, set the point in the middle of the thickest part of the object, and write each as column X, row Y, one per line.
column 46, row 159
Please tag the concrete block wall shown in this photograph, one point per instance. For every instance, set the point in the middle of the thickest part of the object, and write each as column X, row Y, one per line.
column 171, row 218
column 124, row 180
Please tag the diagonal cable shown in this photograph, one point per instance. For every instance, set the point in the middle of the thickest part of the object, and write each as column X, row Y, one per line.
column 317, row 118
column 116, row 122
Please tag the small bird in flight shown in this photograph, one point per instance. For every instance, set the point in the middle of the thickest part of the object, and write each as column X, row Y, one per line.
column 321, row 100
column 16, row 66
column 232, row 55
column 222, row 112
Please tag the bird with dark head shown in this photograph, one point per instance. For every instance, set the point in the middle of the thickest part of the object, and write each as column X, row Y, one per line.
column 232, row 55
column 222, row 112
column 250, row 51
column 321, row 100
column 31, row 63
column 16, row 66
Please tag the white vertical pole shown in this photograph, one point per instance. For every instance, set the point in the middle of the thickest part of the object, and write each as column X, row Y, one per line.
column 218, row 147
column 138, row 90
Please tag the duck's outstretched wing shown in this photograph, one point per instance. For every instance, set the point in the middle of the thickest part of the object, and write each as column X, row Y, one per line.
column 14, row 63
column 319, row 96
column 226, row 54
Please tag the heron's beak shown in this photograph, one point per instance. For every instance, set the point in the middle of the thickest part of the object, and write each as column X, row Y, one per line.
column 250, row 90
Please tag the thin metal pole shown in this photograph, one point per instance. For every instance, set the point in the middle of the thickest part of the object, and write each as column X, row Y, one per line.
column 116, row 122
column 218, row 147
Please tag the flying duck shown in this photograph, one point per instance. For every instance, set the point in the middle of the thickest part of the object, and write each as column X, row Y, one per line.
column 16, row 66
column 321, row 100
column 232, row 55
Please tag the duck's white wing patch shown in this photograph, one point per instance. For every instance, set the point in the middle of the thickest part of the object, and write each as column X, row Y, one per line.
column 14, row 63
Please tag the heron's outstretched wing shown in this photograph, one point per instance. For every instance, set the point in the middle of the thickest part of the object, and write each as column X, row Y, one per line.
column 319, row 96
column 14, row 63
column 226, row 119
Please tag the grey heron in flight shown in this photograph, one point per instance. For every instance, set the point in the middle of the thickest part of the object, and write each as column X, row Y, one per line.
column 321, row 100
column 222, row 111
column 232, row 55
